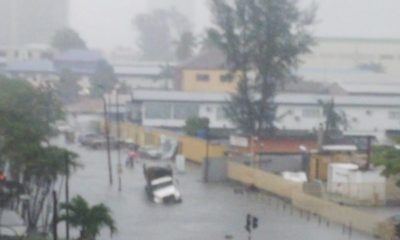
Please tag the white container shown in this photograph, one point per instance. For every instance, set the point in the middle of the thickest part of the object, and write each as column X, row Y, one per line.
column 349, row 181
column 180, row 162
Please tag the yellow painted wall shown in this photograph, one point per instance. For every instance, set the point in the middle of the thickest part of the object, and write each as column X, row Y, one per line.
column 214, row 84
column 363, row 221
column 195, row 149
column 192, row 148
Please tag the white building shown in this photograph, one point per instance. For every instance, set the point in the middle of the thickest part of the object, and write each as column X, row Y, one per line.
column 143, row 75
column 170, row 109
column 376, row 115
column 31, row 52
column 37, row 72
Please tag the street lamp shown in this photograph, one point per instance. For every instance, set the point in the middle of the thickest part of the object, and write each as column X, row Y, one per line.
column 107, row 132
column 117, row 87
column 206, row 162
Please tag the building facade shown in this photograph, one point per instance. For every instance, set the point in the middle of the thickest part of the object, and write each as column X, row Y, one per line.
column 375, row 115
column 31, row 21
column 31, row 52
column 206, row 72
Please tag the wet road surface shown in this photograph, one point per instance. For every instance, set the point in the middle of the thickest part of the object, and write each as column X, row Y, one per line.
column 208, row 212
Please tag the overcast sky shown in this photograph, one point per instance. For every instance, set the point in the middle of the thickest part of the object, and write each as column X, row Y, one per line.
column 107, row 24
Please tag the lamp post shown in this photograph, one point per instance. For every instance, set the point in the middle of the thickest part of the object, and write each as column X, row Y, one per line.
column 206, row 162
column 118, row 139
column 107, row 132
column 67, row 192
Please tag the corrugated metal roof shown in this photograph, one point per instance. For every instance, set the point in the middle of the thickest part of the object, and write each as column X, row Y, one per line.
column 159, row 95
column 360, row 100
column 209, row 59
column 80, row 55
column 42, row 66
column 137, row 70
column 283, row 98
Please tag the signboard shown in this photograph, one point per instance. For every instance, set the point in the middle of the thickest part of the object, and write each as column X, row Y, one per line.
column 238, row 141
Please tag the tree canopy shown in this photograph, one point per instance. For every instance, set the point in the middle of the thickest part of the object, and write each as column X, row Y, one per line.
column 26, row 117
column 262, row 41
column 185, row 46
column 334, row 119
column 66, row 39
column 89, row 219
column 68, row 87
column 103, row 80
column 157, row 32
column 194, row 124
column 26, row 114
column 389, row 157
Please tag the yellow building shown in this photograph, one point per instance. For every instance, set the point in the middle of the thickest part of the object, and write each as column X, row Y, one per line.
column 206, row 72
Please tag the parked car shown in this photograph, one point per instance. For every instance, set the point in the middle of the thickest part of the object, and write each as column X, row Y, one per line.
column 151, row 152
column 87, row 138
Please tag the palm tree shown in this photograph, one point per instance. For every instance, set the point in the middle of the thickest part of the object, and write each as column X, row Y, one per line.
column 88, row 219
column 334, row 119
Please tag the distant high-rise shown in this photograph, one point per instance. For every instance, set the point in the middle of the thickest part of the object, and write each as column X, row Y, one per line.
column 31, row 21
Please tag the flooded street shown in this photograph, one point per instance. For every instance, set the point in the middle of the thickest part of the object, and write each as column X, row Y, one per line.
column 208, row 211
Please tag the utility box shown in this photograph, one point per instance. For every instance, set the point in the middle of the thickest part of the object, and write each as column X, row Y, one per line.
column 180, row 163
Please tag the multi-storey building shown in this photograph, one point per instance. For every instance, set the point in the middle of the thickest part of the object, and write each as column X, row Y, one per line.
column 31, row 21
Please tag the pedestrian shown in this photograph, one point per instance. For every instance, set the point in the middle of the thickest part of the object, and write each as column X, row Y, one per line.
column 132, row 155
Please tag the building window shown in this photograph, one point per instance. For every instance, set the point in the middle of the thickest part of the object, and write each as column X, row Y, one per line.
column 395, row 115
column 311, row 112
column 157, row 110
column 226, row 78
column 221, row 113
column 202, row 77
column 184, row 111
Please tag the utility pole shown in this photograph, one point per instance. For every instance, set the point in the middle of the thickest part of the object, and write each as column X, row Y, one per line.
column 118, row 143
column 55, row 216
column 369, row 140
column 67, row 193
column 107, row 131
column 206, row 162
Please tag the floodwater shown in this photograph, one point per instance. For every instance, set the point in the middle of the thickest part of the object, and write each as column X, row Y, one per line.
column 209, row 210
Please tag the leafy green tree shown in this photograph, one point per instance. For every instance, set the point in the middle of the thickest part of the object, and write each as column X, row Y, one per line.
column 194, row 124
column 26, row 116
column 389, row 157
column 103, row 80
column 157, row 32
column 68, row 87
column 185, row 46
column 89, row 219
column 262, row 40
column 66, row 39
column 40, row 176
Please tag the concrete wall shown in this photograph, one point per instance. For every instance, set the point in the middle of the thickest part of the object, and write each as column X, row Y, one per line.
column 280, row 163
column 362, row 221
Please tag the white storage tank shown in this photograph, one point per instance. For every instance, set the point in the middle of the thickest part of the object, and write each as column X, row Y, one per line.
column 348, row 180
